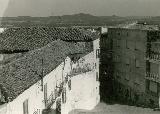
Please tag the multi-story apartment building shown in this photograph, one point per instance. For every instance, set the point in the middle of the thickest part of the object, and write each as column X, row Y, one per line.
column 134, row 69
column 153, row 65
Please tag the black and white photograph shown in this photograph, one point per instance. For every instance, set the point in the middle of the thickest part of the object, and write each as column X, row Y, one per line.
column 79, row 56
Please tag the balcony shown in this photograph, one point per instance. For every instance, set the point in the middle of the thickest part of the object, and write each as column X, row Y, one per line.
column 49, row 102
column 79, row 70
column 37, row 111
column 59, row 90
column 53, row 96
column 153, row 57
column 153, row 77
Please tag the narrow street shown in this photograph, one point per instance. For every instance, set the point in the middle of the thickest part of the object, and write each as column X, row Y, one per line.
column 103, row 108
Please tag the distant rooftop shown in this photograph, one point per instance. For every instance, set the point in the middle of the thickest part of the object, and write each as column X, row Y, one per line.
column 138, row 25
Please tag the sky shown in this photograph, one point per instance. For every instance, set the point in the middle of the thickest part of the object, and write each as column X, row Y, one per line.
column 66, row 7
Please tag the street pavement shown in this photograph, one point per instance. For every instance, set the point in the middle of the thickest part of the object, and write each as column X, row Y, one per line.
column 103, row 108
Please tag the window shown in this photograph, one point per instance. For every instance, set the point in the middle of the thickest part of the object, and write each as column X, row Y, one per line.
column 137, row 63
column 56, row 92
column 154, row 68
column 118, row 75
column 2, row 98
column 152, row 86
column 136, row 46
column 95, row 66
column 118, row 43
column 45, row 94
column 64, row 95
column 137, row 80
column 97, row 76
column 69, row 84
column 97, row 53
column 139, row 46
column 137, row 85
column 126, row 77
column 127, row 61
column 130, row 45
column 127, row 34
column 127, row 44
column 25, row 107
column 116, row 58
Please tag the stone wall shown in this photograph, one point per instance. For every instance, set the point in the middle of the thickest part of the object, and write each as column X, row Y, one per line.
column 131, row 96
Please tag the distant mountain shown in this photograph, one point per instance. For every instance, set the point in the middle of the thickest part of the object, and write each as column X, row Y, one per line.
column 80, row 19
column 81, row 15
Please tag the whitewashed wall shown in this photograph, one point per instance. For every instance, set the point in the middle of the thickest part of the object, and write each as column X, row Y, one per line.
column 67, row 67
column 84, row 93
column 53, row 78
column 34, row 94
column 3, row 109
column 97, row 60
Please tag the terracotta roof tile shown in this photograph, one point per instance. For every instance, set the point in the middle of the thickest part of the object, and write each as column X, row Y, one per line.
column 36, row 37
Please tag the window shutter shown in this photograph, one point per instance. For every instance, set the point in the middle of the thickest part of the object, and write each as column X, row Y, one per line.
column 97, row 76
column 137, row 63
column 127, row 61
column 97, row 53
column 45, row 94
column 153, row 86
column 127, row 45
column 69, row 84
column 64, row 95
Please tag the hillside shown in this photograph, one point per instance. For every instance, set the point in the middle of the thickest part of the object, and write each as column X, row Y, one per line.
column 80, row 19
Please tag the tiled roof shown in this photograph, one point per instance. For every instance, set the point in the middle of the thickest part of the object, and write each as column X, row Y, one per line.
column 19, row 75
column 20, row 39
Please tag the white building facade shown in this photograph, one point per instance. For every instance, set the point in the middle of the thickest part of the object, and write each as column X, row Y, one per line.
column 73, row 90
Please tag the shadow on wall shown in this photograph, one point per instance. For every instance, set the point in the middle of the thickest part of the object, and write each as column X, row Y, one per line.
column 113, row 92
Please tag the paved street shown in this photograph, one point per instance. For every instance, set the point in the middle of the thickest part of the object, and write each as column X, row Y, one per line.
column 102, row 108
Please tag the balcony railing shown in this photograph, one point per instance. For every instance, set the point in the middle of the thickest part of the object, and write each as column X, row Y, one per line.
column 50, row 101
column 37, row 111
column 153, row 56
column 59, row 89
column 153, row 77
column 80, row 70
